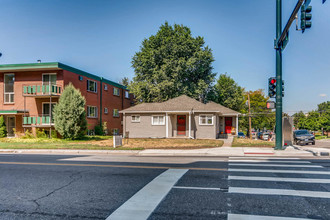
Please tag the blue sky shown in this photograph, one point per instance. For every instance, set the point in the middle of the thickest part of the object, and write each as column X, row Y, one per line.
column 101, row 36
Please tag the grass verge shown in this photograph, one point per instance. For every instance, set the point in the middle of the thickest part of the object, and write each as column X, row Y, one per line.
column 244, row 142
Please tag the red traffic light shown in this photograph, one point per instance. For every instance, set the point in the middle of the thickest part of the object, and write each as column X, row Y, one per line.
column 273, row 81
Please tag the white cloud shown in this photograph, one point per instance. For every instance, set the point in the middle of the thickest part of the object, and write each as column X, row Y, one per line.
column 323, row 95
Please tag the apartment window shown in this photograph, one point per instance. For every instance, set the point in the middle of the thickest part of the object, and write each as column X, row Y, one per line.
column 9, row 88
column 135, row 118
column 115, row 131
column 91, row 86
column 116, row 91
column 115, row 113
column 158, row 120
column 206, row 120
column 105, row 110
column 92, row 111
column 127, row 94
column 80, row 78
column 105, row 87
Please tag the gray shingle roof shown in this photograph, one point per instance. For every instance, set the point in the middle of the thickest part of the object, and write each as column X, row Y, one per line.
column 181, row 103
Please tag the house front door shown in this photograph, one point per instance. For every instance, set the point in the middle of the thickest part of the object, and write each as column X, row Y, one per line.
column 228, row 124
column 181, row 123
column 11, row 125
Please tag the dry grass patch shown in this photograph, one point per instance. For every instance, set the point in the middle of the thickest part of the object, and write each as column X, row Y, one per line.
column 245, row 142
column 151, row 143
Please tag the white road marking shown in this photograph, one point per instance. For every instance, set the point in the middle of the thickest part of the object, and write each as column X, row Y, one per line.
column 283, row 192
column 191, row 187
column 274, row 165
column 260, row 217
column 279, row 179
column 268, row 161
column 143, row 203
column 279, row 171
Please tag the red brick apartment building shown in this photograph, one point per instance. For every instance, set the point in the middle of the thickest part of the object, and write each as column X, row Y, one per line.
column 31, row 90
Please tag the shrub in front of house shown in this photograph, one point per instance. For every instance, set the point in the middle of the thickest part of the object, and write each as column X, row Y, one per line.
column 3, row 128
column 70, row 115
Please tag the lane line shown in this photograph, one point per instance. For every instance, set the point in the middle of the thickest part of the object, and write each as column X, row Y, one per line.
column 192, row 187
column 260, row 217
column 279, row 171
column 282, row 192
column 279, row 179
column 144, row 202
column 268, row 161
column 117, row 166
column 274, row 165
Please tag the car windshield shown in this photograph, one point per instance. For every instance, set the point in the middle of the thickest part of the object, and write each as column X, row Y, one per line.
column 302, row 132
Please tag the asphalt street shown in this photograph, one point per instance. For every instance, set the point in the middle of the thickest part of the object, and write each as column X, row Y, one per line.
column 130, row 187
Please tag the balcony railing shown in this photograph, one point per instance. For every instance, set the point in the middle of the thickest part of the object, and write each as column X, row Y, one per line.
column 41, row 120
column 42, row 90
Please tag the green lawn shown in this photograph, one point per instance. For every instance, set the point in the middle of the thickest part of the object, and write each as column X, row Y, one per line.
column 319, row 137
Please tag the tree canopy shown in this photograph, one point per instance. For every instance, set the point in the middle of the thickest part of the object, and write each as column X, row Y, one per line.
column 228, row 93
column 172, row 63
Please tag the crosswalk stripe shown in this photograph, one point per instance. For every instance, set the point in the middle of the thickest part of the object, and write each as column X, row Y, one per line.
column 284, row 192
column 273, row 165
column 279, row 179
column 279, row 171
column 269, row 161
column 260, row 217
column 191, row 187
column 144, row 202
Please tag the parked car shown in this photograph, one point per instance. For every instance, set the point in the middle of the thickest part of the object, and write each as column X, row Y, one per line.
column 265, row 136
column 259, row 135
column 241, row 135
column 303, row 137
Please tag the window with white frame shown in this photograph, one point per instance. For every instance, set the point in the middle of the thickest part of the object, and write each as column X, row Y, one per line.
column 9, row 88
column 127, row 94
column 105, row 87
column 92, row 111
column 158, row 120
column 116, row 91
column 91, row 86
column 106, row 111
column 115, row 113
column 135, row 118
column 206, row 120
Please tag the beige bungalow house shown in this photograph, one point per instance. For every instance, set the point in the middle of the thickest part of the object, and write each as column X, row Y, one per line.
column 179, row 117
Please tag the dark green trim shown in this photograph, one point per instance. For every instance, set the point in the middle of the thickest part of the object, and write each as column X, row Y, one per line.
column 11, row 111
column 56, row 65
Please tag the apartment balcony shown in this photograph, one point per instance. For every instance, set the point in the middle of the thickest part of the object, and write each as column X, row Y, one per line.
column 38, row 121
column 42, row 90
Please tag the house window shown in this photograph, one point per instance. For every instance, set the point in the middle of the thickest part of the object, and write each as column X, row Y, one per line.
column 115, row 113
column 9, row 88
column 80, row 78
column 47, row 111
column 106, row 87
column 127, row 94
column 105, row 110
column 206, row 120
column 135, row 118
column 92, row 111
column 116, row 91
column 158, row 120
column 91, row 86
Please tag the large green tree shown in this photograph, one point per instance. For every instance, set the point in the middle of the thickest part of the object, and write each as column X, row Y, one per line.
column 70, row 115
column 172, row 63
column 228, row 93
column 298, row 118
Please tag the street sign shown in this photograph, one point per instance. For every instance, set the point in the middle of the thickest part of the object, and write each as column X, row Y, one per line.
column 270, row 105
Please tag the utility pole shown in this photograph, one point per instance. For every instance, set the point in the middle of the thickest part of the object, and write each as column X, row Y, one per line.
column 278, row 129
column 250, row 127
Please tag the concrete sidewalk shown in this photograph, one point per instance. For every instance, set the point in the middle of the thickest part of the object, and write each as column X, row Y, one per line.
column 220, row 152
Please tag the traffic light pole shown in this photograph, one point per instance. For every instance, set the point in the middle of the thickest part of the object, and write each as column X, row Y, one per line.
column 278, row 130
